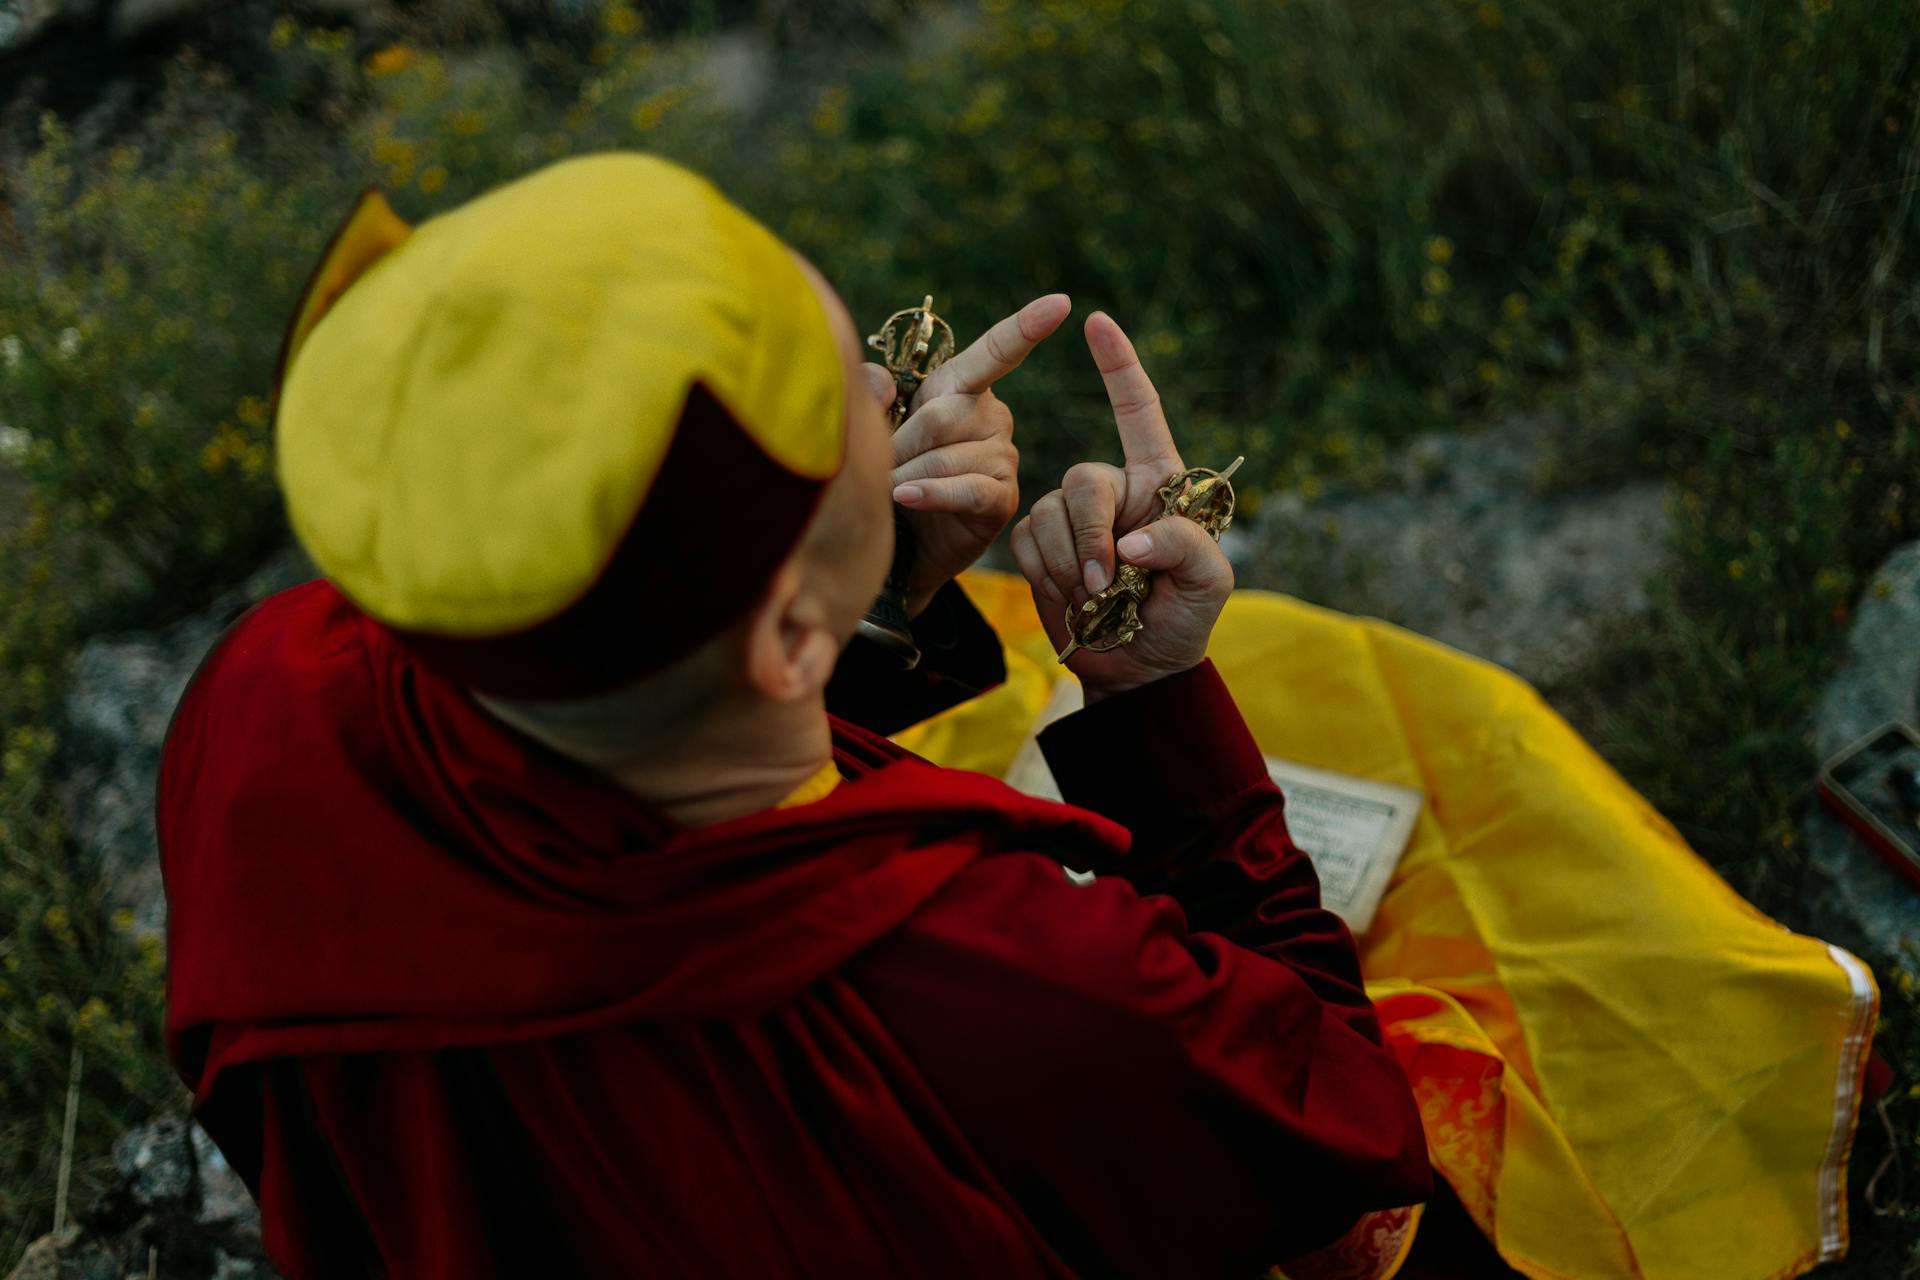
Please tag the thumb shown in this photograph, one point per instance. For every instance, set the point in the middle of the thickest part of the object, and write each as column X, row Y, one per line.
column 881, row 383
column 1177, row 547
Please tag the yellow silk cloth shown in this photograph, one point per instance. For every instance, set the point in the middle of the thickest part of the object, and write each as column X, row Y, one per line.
column 1624, row 1069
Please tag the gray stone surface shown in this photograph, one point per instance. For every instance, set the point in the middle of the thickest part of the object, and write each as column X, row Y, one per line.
column 156, row 1163
column 175, row 1200
column 22, row 20
column 1878, row 680
column 224, row 1199
column 117, row 713
column 1464, row 544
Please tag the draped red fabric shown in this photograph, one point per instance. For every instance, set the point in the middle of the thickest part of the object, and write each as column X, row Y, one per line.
column 389, row 869
column 453, row 1005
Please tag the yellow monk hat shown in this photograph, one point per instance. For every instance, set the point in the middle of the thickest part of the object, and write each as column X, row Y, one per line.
column 558, row 436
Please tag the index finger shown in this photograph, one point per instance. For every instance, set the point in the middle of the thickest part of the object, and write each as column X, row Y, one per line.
column 998, row 351
column 1144, row 434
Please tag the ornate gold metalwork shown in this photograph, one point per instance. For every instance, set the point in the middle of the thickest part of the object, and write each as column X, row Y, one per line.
column 910, row 351
column 1111, row 616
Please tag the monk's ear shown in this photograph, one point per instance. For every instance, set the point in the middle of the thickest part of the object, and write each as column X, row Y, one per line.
column 790, row 650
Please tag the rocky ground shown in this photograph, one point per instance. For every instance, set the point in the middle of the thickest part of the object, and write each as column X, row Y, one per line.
column 1463, row 542
column 177, row 1210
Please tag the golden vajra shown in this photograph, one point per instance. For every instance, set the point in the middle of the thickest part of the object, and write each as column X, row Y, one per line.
column 1111, row 616
column 911, row 354
column 907, row 347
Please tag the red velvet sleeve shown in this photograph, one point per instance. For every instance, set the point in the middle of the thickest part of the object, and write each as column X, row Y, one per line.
column 1159, row 1102
column 1174, row 763
column 960, row 658
column 1174, row 1068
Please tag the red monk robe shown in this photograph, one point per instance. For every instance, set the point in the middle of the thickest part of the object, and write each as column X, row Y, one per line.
column 454, row 1005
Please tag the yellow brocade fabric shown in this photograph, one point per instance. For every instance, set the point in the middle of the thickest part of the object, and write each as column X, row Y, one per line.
column 1624, row 1069
column 818, row 787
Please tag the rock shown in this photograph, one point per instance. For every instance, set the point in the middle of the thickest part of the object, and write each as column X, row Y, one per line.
column 117, row 712
column 22, row 20
column 224, row 1199
column 41, row 1261
column 175, row 1200
column 1878, row 680
column 1462, row 544
column 735, row 69
column 134, row 18
column 156, row 1163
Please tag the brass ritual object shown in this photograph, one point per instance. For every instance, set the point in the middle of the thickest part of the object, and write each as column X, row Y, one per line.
column 912, row 344
column 1111, row 616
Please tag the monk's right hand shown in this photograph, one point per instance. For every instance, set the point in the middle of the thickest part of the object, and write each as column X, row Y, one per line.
column 1067, row 543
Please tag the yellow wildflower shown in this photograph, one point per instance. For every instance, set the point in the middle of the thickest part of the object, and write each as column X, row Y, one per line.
column 90, row 1015
column 985, row 108
column 1436, row 281
column 653, row 109
column 1535, row 65
column 1428, row 313
column 55, row 918
column 1513, row 306
column 433, row 178
column 830, row 112
column 1440, row 250
column 1842, row 428
column 1490, row 373
column 620, row 20
column 283, row 32
column 1489, row 15
column 252, row 411
column 1736, row 569
column 388, row 150
column 391, row 60
column 123, row 920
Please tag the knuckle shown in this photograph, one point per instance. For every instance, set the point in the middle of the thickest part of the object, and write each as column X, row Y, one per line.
column 1001, row 414
column 1081, row 476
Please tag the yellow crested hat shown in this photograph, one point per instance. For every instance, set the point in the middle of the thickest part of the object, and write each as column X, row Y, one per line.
column 521, row 435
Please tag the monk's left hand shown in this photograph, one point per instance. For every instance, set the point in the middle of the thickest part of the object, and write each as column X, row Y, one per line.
column 955, row 468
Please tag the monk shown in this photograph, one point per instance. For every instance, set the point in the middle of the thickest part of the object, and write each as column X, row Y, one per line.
column 547, row 898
